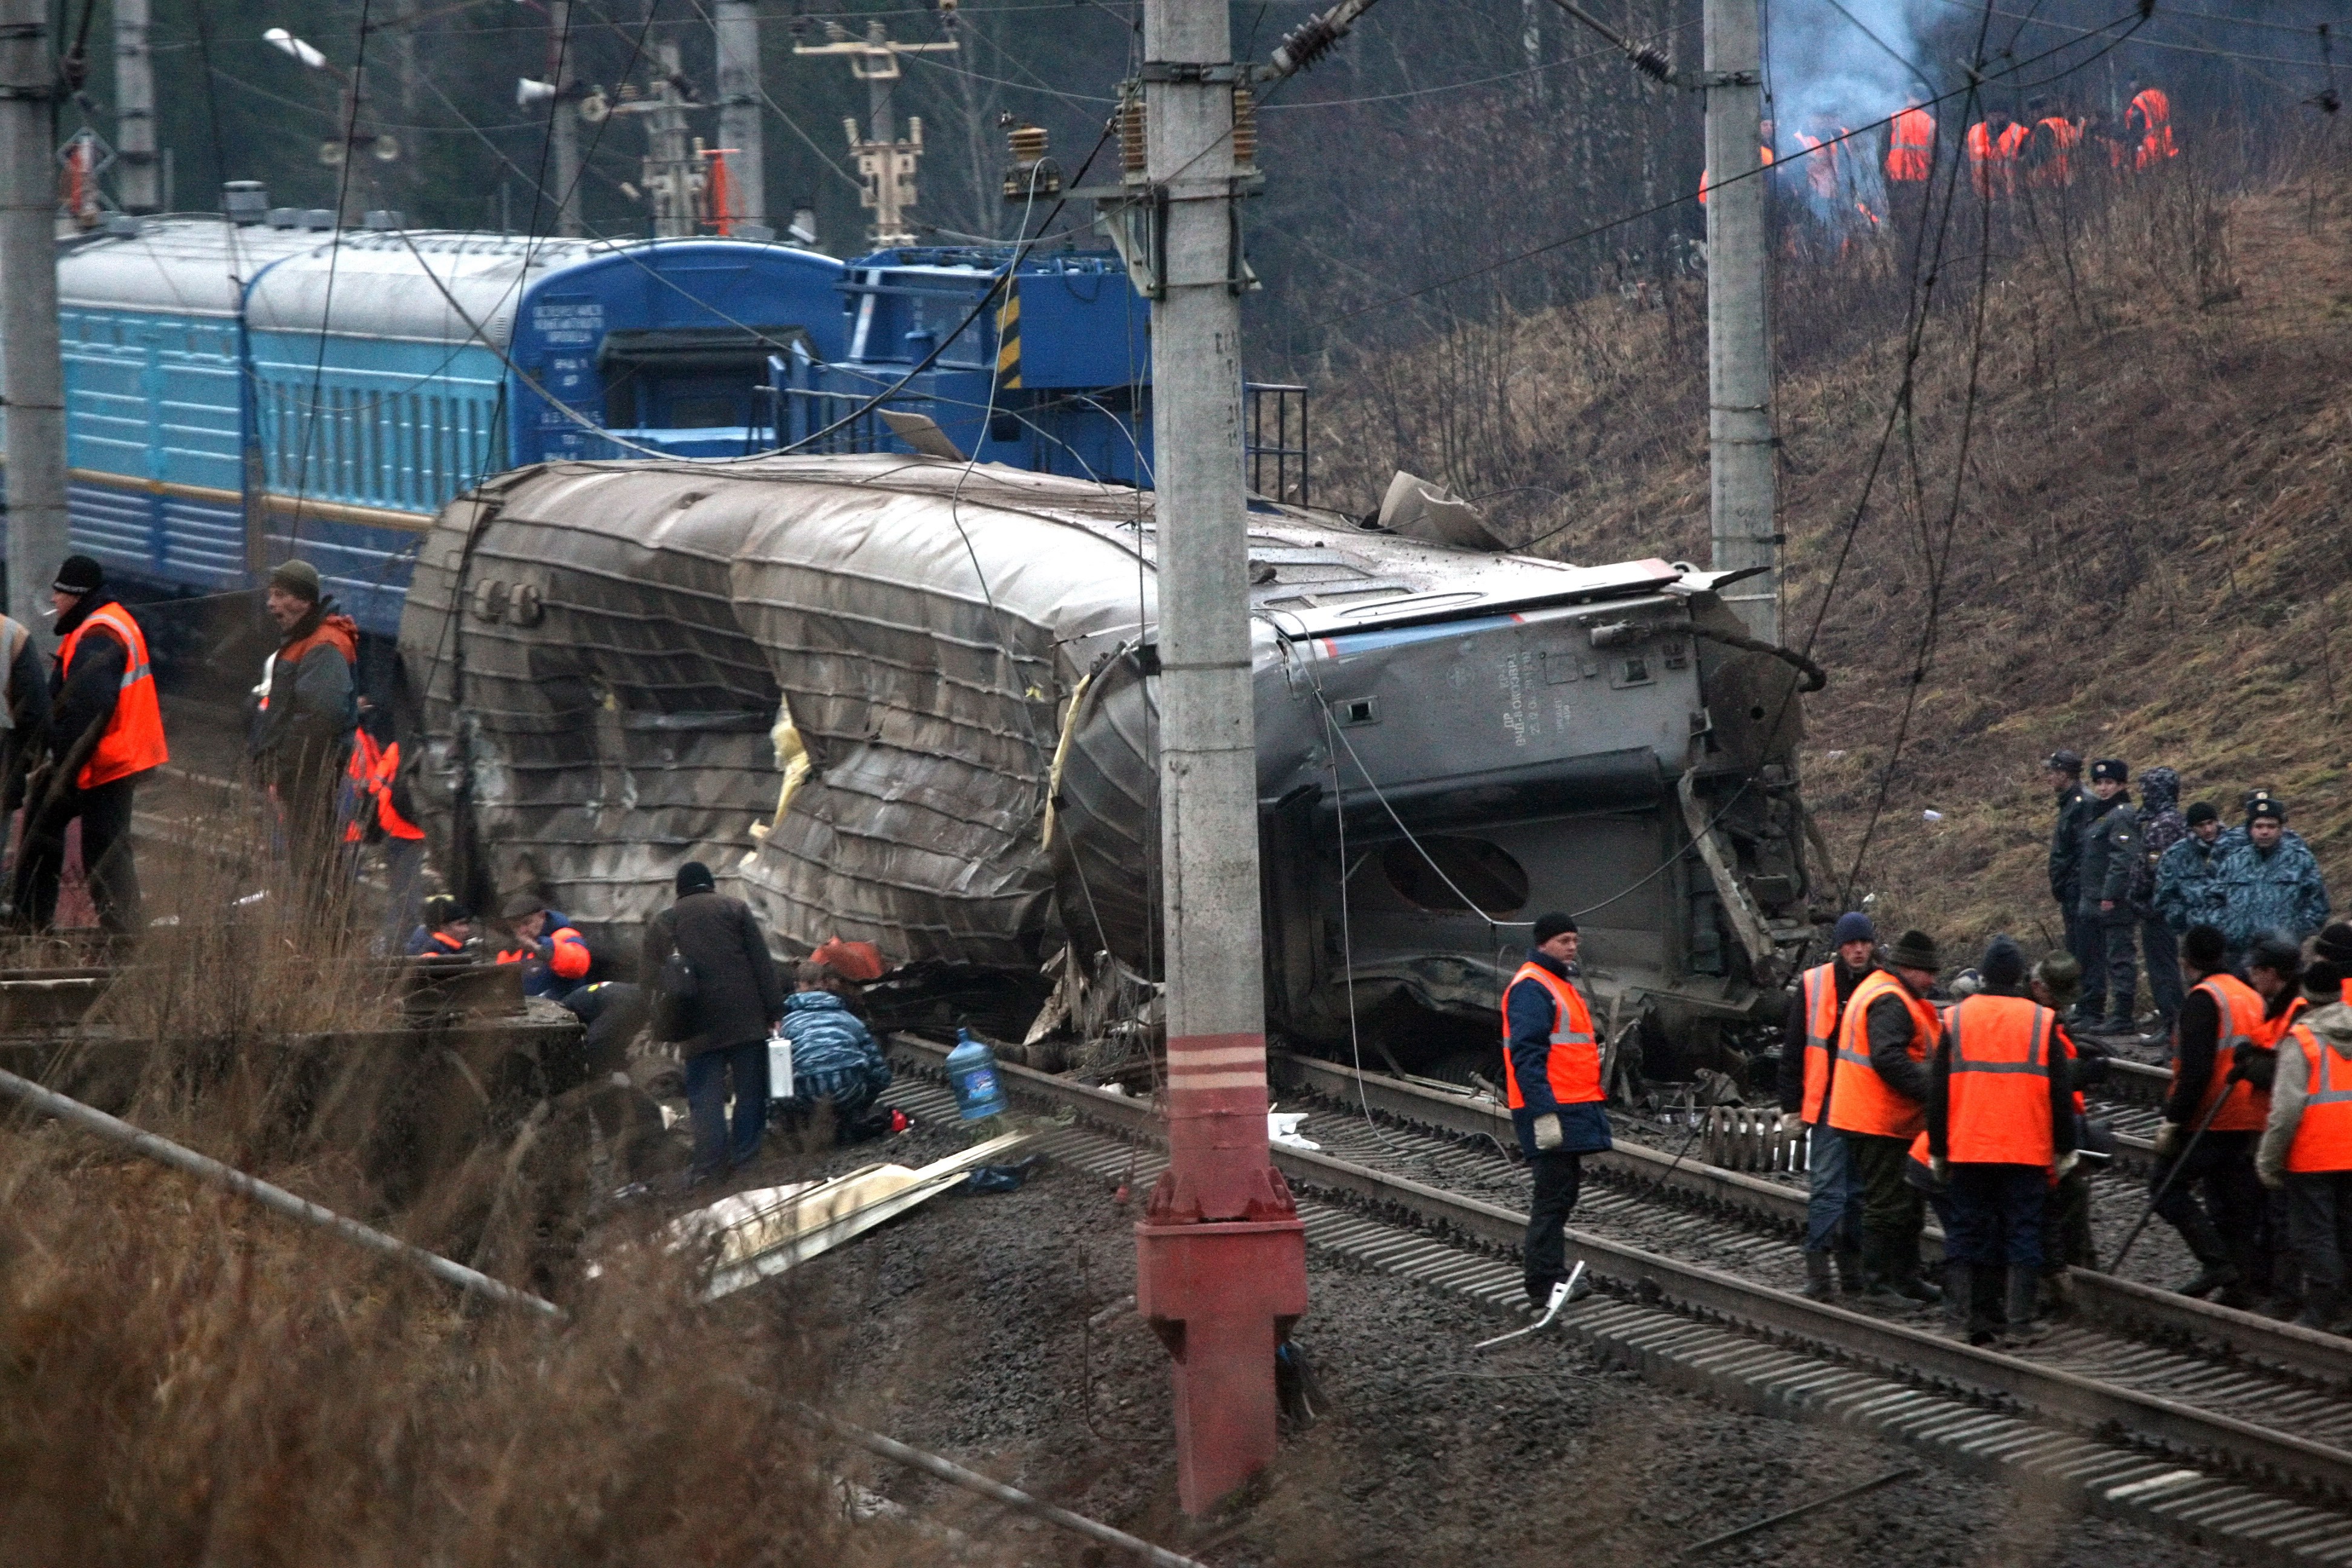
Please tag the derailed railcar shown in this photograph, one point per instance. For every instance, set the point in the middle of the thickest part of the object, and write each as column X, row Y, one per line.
column 911, row 701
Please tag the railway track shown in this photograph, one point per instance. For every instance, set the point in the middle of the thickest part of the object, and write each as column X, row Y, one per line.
column 2221, row 1425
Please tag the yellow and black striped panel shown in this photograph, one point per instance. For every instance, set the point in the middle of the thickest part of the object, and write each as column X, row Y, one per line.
column 1008, row 339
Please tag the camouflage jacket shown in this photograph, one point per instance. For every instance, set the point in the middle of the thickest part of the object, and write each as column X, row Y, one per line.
column 2279, row 889
column 2189, row 884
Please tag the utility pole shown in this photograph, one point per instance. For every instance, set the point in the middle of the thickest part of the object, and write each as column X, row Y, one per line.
column 1220, row 1255
column 1742, row 512
column 673, row 176
column 30, row 365
column 885, row 162
column 741, row 129
column 137, row 173
column 563, row 120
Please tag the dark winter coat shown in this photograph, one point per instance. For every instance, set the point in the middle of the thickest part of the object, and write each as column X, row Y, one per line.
column 1793, row 1040
column 2161, row 826
column 2074, row 804
column 303, row 738
column 2110, row 856
column 82, row 703
column 738, row 993
column 2187, row 884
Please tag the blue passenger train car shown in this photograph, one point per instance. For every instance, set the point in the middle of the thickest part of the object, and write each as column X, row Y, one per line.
column 238, row 391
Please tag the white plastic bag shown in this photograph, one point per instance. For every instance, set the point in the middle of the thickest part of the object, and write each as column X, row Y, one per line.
column 780, row 1067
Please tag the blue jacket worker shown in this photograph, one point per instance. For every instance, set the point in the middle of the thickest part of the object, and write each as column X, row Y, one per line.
column 2187, row 884
column 1551, row 1069
column 834, row 1059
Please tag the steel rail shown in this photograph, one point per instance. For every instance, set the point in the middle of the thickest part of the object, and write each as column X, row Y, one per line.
column 2081, row 1402
column 2304, row 1352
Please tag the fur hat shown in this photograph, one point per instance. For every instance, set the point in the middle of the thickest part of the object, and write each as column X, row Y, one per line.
column 2108, row 769
column 2063, row 761
column 2262, row 802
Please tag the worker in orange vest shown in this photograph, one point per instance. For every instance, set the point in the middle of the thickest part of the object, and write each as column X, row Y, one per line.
column 385, row 815
column 554, row 957
column 2048, row 153
column 2149, row 119
column 1763, row 157
column 1551, row 1076
column 447, row 931
column 1911, row 144
column 2001, row 1125
column 106, row 734
column 2212, row 1051
column 1993, row 143
column 302, row 739
column 1879, row 1101
column 1808, row 1068
column 2067, row 1240
column 2306, row 1143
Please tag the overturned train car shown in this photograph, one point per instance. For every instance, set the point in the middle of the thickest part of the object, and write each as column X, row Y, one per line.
column 911, row 701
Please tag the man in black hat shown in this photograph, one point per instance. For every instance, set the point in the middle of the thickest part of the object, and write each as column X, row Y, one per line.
column 2062, row 771
column 2188, row 892
column 106, row 734
column 2110, row 859
column 738, row 1001
column 1551, row 1073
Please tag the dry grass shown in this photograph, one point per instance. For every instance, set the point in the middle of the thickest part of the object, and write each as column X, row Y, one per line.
column 2151, row 535
column 187, row 1379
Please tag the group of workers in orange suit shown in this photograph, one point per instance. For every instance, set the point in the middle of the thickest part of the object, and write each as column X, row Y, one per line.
column 1848, row 189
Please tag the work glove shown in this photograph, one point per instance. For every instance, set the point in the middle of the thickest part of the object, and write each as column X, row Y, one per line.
column 2064, row 1163
column 2273, row 1179
column 1940, row 1168
column 2255, row 1065
column 2168, row 1140
column 1548, row 1133
column 1791, row 1124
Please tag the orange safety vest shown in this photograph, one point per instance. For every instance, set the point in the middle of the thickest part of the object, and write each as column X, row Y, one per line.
column 1998, row 1090
column 2155, row 111
column 1820, row 986
column 2323, row 1139
column 568, row 957
column 450, row 944
column 359, row 771
column 1821, row 163
column 1763, row 156
column 1573, row 1064
column 1911, row 146
column 1992, row 160
column 1860, row 1100
column 386, row 768
column 2241, row 1007
column 2058, row 170
column 2273, row 1030
column 134, row 741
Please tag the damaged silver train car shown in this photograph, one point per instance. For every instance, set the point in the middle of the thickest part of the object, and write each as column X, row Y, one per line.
column 910, row 701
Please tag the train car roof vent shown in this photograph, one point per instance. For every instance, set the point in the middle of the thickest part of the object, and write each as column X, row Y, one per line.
column 244, row 201
column 385, row 218
column 319, row 218
column 286, row 217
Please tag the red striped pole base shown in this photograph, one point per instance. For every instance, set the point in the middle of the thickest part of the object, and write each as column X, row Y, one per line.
column 1220, row 1264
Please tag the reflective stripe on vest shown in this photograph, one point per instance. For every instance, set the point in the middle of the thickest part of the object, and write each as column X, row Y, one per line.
column 2241, row 1007
column 1911, row 147
column 133, row 738
column 1572, row 1066
column 2273, row 1030
column 1860, row 1100
column 1821, row 1037
column 1998, row 1093
column 2323, row 1139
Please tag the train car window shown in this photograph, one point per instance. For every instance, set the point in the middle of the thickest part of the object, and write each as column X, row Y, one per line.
column 685, row 378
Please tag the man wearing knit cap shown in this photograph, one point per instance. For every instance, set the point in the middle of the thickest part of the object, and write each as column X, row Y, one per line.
column 302, row 733
column 1879, row 1101
column 2212, row 1197
column 2111, row 857
column 2066, row 1211
column 2271, row 882
column 2306, row 1143
column 738, row 1000
column 2062, row 771
column 1808, row 1071
column 106, row 734
column 1551, row 1073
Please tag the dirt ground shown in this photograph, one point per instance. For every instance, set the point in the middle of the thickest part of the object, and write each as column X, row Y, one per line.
column 965, row 1327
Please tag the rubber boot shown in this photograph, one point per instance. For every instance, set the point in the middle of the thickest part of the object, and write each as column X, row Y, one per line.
column 2057, row 1298
column 2205, row 1244
column 1849, row 1272
column 1819, row 1287
column 1879, row 1282
column 1908, row 1281
column 2022, row 1283
column 1987, row 1311
column 1958, row 1291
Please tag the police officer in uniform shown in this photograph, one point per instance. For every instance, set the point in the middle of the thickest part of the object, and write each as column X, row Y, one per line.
column 1551, row 1072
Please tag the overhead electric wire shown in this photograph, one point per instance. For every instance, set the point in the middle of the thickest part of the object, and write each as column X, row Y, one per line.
column 758, row 84
column 1673, row 202
column 2029, row 19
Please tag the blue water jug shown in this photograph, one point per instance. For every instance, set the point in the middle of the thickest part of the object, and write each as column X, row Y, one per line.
column 972, row 1073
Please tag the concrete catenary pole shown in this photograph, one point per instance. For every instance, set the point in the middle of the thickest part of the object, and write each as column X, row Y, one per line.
column 34, row 380
column 671, row 168
column 138, row 176
column 741, row 129
column 563, row 120
column 1221, row 1264
column 1742, row 507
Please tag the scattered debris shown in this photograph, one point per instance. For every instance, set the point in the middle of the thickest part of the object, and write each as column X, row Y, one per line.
column 763, row 1232
column 1561, row 1294
column 1281, row 1126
